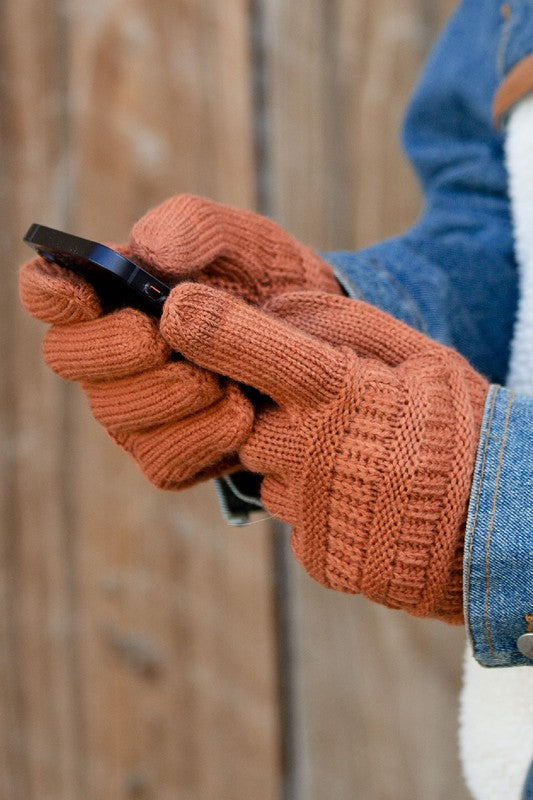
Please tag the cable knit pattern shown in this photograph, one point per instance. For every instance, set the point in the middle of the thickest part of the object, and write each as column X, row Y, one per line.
column 366, row 330
column 370, row 462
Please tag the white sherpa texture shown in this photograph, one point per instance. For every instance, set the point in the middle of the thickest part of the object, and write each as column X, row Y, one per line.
column 496, row 724
column 495, row 729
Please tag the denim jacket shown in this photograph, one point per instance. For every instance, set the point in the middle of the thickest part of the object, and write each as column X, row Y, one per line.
column 453, row 276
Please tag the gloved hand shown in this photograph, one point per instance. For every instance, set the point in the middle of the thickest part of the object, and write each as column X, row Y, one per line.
column 368, row 449
column 180, row 424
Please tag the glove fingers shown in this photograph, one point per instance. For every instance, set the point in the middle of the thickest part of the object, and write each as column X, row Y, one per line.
column 342, row 321
column 226, row 335
column 56, row 295
column 122, row 343
column 172, row 455
column 186, row 233
column 157, row 397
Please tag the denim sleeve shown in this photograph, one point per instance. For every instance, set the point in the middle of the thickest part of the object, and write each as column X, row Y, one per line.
column 452, row 275
column 517, row 38
column 498, row 557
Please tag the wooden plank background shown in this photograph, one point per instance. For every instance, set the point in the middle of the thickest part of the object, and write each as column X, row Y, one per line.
column 147, row 650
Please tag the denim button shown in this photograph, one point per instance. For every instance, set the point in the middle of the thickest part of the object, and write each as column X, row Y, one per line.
column 525, row 645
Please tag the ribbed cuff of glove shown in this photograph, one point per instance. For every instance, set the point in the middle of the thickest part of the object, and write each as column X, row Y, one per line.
column 384, row 516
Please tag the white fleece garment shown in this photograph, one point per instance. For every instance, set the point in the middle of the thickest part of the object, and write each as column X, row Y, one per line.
column 496, row 723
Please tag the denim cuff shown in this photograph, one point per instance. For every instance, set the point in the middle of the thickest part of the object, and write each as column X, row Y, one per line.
column 498, row 556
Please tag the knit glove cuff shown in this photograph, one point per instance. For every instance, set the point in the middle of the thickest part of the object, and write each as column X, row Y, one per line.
column 384, row 513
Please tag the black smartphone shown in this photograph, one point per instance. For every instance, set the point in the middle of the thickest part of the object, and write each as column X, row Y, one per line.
column 117, row 280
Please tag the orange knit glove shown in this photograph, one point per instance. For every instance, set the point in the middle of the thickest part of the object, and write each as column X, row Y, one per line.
column 180, row 423
column 189, row 237
column 369, row 450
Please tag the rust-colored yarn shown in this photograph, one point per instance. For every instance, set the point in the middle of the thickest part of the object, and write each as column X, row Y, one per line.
column 189, row 237
column 368, row 457
column 181, row 423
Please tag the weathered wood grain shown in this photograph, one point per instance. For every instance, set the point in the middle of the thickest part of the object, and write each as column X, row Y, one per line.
column 39, row 743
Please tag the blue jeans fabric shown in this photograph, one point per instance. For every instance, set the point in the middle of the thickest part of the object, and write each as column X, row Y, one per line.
column 498, row 563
